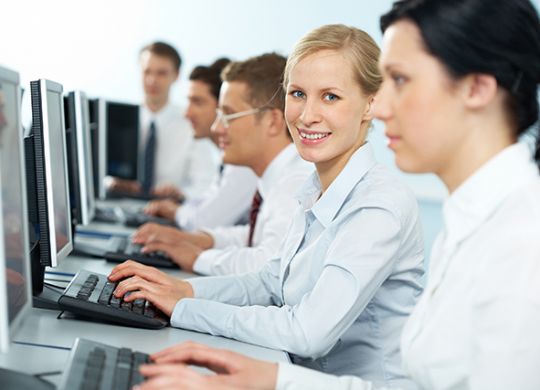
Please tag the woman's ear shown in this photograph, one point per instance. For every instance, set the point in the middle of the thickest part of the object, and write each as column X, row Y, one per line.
column 368, row 112
column 480, row 90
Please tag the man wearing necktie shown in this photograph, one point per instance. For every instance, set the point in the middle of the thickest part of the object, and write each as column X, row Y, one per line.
column 172, row 162
column 251, row 132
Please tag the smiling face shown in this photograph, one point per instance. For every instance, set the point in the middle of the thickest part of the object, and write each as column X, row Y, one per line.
column 326, row 110
column 201, row 111
column 419, row 103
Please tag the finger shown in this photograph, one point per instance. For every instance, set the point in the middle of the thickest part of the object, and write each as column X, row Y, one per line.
column 132, row 284
column 150, row 370
column 218, row 360
column 155, row 246
column 127, row 269
column 187, row 345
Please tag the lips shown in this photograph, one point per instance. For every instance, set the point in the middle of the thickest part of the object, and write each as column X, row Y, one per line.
column 313, row 136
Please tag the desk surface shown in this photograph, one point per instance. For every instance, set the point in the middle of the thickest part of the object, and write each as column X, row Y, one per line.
column 43, row 327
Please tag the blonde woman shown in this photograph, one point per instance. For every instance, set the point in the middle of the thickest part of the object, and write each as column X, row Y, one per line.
column 350, row 266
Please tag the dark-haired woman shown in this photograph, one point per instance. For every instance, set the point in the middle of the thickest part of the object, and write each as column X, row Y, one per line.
column 460, row 88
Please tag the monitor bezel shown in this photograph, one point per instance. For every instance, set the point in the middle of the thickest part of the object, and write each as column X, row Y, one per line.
column 84, row 153
column 9, row 76
column 46, row 86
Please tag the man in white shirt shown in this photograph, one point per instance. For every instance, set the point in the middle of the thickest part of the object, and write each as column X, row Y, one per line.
column 227, row 201
column 178, row 165
column 252, row 132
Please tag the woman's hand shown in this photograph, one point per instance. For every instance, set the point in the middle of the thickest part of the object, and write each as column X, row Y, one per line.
column 149, row 283
column 232, row 370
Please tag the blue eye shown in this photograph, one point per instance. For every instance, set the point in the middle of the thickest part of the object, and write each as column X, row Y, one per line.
column 297, row 94
column 399, row 80
column 330, row 97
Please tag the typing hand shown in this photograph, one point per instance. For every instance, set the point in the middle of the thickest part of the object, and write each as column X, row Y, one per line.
column 122, row 185
column 232, row 369
column 182, row 253
column 149, row 283
column 165, row 208
column 152, row 232
column 168, row 191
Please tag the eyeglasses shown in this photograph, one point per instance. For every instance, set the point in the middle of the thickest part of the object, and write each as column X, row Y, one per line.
column 227, row 118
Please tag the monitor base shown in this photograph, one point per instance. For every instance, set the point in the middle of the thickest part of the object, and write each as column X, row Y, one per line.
column 48, row 299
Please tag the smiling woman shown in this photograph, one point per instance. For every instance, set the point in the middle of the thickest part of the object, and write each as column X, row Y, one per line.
column 349, row 271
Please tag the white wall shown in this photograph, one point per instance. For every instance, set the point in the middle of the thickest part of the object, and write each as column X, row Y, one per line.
column 93, row 45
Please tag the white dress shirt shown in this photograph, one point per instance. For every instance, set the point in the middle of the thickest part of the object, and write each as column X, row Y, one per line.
column 227, row 202
column 347, row 278
column 477, row 325
column 280, row 181
column 191, row 165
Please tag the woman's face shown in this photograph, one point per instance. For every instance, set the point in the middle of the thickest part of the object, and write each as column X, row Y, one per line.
column 419, row 104
column 325, row 109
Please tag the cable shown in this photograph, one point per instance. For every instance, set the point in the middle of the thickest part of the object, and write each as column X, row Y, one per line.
column 48, row 373
column 57, row 280
column 59, row 273
column 42, row 345
column 50, row 285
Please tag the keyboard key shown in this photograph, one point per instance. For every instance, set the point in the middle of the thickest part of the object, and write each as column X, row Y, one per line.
column 106, row 293
column 115, row 302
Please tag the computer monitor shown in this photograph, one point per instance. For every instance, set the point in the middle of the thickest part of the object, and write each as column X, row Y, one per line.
column 122, row 121
column 15, row 292
column 50, row 173
column 80, row 169
column 99, row 145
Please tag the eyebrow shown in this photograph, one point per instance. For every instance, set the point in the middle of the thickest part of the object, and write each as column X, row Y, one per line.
column 326, row 89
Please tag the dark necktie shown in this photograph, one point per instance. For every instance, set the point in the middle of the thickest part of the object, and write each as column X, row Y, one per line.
column 149, row 159
column 253, row 212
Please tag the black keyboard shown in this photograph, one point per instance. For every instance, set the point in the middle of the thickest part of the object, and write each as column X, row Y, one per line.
column 108, row 214
column 91, row 295
column 139, row 218
column 124, row 250
column 96, row 366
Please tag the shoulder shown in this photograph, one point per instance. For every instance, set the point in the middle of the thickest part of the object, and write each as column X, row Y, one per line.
column 381, row 188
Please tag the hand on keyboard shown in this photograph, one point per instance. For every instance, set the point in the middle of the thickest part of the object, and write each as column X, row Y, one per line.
column 152, row 232
column 183, row 253
column 149, row 283
column 164, row 208
column 232, row 370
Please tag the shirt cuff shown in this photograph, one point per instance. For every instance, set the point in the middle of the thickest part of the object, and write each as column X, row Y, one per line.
column 205, row 262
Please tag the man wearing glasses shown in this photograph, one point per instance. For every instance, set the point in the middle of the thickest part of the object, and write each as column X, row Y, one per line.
column 227, row 202
column 251, row 132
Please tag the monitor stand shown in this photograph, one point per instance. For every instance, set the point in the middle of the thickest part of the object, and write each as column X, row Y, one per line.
column 44, row 297
column 10, row 379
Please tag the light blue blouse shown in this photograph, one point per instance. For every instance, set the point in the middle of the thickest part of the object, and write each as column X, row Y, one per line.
column 339, row 294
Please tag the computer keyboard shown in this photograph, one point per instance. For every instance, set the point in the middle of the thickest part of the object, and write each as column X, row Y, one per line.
column 124, row 250
column 109, row 214
column 139, row 218
column 90, row 294
column 97, row 366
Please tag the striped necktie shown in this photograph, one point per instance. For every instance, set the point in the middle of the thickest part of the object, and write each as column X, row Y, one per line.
column 253, row 212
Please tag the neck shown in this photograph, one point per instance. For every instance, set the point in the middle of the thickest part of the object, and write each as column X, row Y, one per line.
column 155, row 105
column 472, row 154
column 265, row 158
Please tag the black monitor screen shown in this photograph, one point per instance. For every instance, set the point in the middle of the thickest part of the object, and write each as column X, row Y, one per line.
column 122, row 140
column 57, row 156
column 14, row 233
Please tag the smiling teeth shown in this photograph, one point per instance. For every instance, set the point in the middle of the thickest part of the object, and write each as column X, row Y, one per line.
column 313, row 136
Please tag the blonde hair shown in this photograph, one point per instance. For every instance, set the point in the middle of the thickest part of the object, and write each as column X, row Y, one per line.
column 356, row 45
